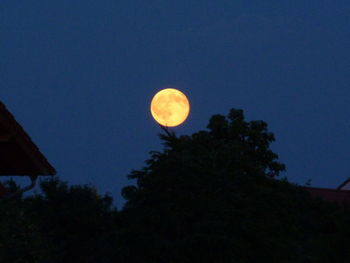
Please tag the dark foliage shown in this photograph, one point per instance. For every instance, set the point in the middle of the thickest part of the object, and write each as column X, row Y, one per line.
column 211, row 197
column 63, row 224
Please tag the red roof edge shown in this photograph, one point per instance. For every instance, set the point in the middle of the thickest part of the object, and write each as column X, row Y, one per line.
column 345, row 182
column 43, row 164
column 334, row 195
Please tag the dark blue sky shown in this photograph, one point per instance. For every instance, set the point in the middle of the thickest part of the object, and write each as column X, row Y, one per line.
column 79, row 76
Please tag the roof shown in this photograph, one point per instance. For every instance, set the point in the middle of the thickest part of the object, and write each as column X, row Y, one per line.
column 18, row 153
column 334, row 195
column 345, row 185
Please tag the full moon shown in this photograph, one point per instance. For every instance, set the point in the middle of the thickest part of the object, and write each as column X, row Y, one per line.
column 170, row 107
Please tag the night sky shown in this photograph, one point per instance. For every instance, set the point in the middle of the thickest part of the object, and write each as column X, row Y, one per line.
column 79, row 77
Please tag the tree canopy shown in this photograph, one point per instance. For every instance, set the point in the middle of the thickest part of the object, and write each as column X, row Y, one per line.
column 213, row 196
column 231, row 147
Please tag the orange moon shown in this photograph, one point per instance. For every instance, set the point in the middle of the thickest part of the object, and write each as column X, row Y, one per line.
column 170, row 107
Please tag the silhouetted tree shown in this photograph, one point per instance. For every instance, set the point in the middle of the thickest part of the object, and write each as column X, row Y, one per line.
column 61, row 224
column 77, row 222
column 213, row 197
column 189, row 195
column 20, row 237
